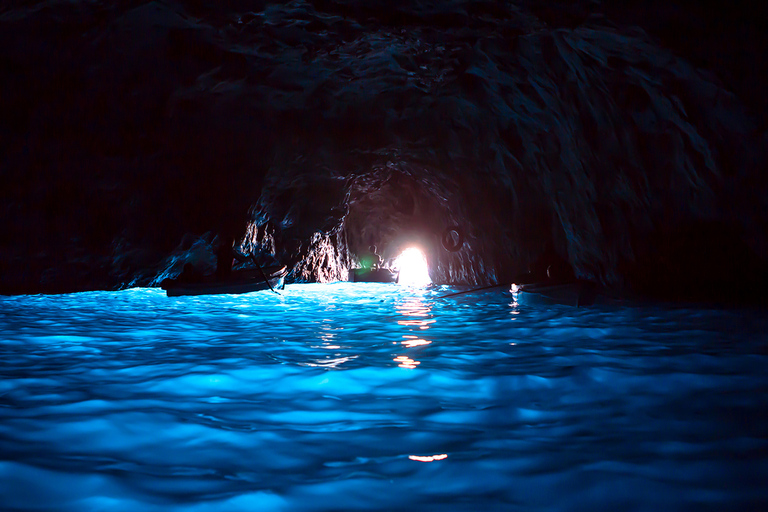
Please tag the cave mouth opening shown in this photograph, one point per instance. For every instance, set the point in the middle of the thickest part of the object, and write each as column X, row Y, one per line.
column 413, row 267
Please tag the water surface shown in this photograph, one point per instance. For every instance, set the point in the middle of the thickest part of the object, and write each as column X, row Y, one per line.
column 356, row 396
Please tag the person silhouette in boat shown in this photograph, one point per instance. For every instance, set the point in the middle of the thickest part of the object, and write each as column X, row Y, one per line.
column 371, row 260
column 226, row 255
column 550, row 268
column 190, row 274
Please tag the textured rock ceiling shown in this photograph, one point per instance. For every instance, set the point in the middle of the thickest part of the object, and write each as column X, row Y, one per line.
column 320, row 127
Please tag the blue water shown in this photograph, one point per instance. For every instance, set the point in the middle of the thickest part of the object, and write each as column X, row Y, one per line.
column 378, row 397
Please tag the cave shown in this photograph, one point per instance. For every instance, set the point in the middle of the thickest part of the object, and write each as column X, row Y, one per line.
column 585, row 134
column 518, row 151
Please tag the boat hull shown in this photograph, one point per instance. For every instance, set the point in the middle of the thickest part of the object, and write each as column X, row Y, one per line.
column 380, row 275
column 567, row 294
column 246, row 281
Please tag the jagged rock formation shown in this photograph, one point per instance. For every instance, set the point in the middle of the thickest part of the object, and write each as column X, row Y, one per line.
column 317, row 128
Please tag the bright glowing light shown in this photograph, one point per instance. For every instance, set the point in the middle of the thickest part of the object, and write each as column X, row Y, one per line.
column 406, row 362
column 413, row 267
column 428, row 458
column 412, row 341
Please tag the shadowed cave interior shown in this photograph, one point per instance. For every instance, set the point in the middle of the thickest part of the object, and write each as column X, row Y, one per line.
column 596, row 137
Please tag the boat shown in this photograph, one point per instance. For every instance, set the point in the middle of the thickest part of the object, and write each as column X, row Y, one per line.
column 241, row 281
column 378, row 275
column 577, row 293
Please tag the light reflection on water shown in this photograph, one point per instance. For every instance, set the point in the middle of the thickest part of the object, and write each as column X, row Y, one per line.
column 415, row 310
column 377, row 397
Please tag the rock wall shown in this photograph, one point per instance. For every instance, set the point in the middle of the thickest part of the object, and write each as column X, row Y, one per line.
column 316, row 128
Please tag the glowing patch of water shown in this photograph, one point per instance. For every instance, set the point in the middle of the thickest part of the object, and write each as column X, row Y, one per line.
column 357, row 396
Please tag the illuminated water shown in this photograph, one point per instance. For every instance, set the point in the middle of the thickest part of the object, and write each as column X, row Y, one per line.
column 377, row 397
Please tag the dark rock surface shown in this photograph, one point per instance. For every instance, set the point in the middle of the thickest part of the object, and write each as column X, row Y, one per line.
column 629, row 143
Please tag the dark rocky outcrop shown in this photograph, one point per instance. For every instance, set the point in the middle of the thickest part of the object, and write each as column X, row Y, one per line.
column 133, row 132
